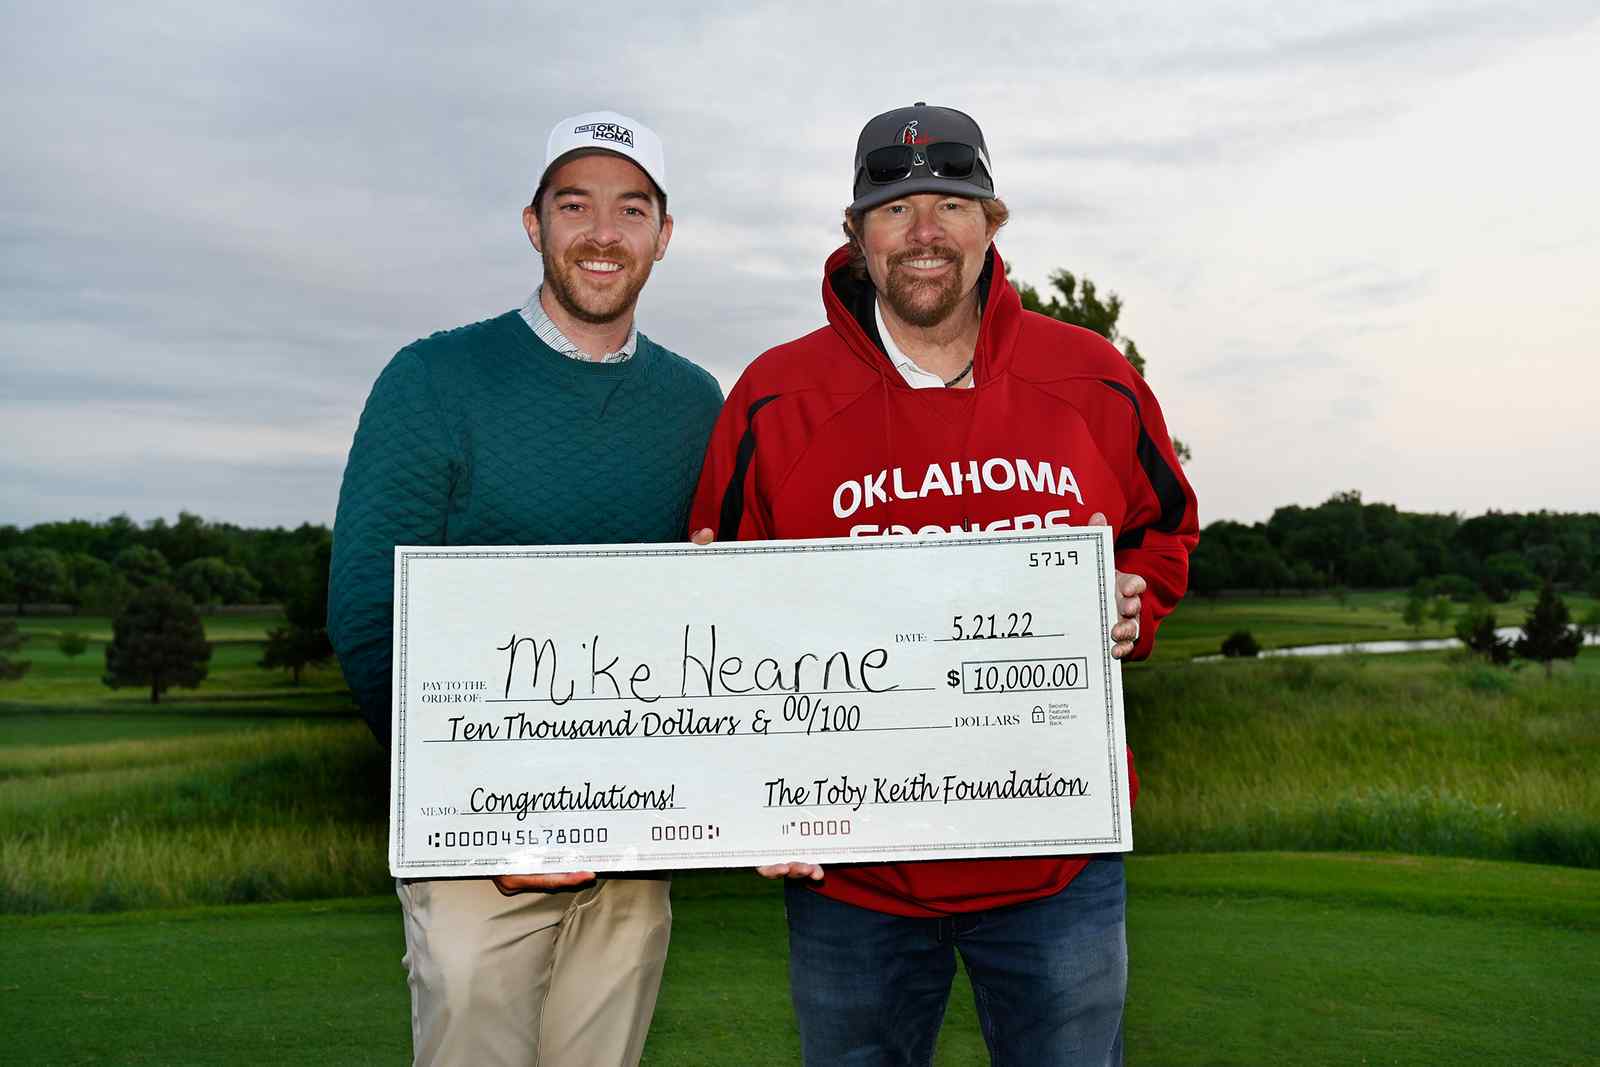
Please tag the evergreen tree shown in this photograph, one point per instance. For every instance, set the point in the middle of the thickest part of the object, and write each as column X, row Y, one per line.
column 158, row 641
column 1548, row 633
column 10, row 641
column 1476, row 629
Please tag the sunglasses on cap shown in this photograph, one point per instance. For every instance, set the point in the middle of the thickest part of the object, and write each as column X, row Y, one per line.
column 944, row 159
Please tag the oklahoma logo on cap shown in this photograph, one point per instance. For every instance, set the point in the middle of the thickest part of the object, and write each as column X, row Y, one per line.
column 608, row 132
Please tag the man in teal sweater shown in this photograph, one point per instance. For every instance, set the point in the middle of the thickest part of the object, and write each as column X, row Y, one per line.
column 558, row 423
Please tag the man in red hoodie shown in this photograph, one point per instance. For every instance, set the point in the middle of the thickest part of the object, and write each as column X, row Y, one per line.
column 929, row 366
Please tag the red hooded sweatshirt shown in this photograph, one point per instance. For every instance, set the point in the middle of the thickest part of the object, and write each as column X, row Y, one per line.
column 822, row 437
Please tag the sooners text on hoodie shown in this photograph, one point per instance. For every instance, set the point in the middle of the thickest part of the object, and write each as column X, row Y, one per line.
column 823, row 438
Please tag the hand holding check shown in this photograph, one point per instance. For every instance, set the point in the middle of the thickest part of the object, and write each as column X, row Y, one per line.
column 1130, row 588
column 1125, row 634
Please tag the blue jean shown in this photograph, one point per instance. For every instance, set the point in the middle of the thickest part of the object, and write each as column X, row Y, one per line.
column 1048, row 976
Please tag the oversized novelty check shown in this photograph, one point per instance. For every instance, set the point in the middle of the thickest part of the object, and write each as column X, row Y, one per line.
column 642, row 707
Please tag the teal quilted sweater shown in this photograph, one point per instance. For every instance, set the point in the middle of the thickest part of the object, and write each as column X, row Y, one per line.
column 484, row 435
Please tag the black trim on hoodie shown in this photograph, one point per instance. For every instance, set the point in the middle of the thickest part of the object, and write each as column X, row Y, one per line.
column 733, row 498
column 1169, row 490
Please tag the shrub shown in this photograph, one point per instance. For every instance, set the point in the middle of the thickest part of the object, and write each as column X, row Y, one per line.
column 72, row 645
column 1475, row 628
column 1240, row 644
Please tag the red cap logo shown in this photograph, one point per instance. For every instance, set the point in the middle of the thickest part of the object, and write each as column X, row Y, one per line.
column 910, row 134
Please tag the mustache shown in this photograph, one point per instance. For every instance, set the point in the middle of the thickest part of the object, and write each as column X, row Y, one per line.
column 589, row 250
column 932, row 251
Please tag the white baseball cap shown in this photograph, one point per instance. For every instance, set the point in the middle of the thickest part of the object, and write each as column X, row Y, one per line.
column 607, row 131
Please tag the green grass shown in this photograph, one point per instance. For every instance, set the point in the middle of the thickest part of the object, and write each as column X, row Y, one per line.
column 71, row 727
column 289, row 811
column 249, row 790
column 1242, row 960
column 233, row 684
column 1350, row 966
column 1414, row 754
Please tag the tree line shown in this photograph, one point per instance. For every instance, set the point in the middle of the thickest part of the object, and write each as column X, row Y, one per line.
column 98, row 567
column 150, row 578
column 1346, row 543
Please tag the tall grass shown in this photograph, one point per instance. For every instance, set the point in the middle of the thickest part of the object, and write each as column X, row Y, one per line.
column 292, row 812
column 1385, row 753
column 1440, row 757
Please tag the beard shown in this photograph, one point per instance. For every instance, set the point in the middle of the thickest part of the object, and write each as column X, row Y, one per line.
column 568, row 285
column 923, row 302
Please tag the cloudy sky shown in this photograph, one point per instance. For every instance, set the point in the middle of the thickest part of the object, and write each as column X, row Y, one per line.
column 1354, row 241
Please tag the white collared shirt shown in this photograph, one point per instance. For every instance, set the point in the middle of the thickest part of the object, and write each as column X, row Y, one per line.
column 914, row 375
column 546, row 330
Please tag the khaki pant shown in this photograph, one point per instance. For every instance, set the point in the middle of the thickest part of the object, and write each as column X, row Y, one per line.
column 536, row 979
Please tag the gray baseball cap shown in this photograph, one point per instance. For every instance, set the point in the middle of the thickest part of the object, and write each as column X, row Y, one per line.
column 921, row 149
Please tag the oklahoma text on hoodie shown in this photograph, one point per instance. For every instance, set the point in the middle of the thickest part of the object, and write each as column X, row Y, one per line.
column 823, row 438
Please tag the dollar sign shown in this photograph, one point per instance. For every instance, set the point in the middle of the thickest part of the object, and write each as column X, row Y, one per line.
column 953, row 678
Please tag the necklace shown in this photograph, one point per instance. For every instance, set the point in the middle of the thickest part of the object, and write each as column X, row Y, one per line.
column 964, row 372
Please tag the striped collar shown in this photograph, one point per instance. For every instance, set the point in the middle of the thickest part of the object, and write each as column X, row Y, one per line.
column 547, row 331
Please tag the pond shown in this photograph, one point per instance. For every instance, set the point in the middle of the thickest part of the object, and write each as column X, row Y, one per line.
column 1425, row 644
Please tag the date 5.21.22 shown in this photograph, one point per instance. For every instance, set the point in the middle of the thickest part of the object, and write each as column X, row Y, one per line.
column 992, row 626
